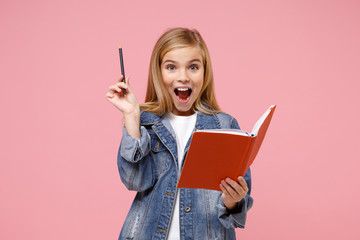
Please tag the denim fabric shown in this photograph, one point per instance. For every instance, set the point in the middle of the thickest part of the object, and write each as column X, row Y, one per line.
column 149, row 166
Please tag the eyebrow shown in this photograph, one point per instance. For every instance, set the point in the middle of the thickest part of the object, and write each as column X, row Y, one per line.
column 170, row 61
column 191, row 61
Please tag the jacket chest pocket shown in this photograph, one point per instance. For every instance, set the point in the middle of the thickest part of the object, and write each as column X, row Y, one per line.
column 156, row 144
column 160, row 155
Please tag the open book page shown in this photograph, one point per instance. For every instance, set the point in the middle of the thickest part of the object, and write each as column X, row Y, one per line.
column 226, row 131
column 261, row 120
column 253, row 133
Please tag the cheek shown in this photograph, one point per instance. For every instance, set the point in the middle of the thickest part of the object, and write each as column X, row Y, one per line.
column 200, row 78
column 199, row 81
column 198, row 89
column 166, row 80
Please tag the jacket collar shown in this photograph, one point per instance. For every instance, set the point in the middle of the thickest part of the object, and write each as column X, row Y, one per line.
column 203, row 121
column 148, row 118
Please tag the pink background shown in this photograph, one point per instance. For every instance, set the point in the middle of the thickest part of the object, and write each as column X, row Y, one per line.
column 59, row 135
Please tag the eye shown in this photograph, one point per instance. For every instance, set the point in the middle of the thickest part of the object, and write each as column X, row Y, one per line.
column 170, row 67
column 194, row 67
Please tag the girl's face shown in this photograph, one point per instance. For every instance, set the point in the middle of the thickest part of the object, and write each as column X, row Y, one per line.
column 182, row 71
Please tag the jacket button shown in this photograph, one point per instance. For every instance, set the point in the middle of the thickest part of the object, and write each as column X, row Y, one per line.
column 187, row 209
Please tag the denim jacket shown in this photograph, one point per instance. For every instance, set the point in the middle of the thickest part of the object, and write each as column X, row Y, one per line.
column 149, row 166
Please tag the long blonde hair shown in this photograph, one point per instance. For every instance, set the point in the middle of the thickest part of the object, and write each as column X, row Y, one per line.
column 157, row 99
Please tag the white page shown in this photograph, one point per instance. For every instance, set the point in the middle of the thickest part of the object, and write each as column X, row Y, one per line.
column 226, row 131
column 254, row 132
column 260, row 121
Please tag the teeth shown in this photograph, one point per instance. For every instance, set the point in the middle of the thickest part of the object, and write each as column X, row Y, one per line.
column 182, row 89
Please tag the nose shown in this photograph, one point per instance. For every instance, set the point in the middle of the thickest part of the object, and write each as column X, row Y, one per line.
column 183, row 75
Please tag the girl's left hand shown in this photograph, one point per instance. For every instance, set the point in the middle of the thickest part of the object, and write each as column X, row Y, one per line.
column 233, row 191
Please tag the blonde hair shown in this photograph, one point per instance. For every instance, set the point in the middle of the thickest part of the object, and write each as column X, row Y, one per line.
column 157, row 99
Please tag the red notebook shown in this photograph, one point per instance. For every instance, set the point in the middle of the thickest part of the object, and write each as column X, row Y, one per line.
column 216, row 154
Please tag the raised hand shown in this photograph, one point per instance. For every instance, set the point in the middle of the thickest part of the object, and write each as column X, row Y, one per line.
column 233, row 191
column 127, row 104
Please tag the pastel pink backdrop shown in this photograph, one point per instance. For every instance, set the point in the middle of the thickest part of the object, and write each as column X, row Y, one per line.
column 59, row 135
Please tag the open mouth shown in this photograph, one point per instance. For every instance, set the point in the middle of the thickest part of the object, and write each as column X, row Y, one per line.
column 183, row 93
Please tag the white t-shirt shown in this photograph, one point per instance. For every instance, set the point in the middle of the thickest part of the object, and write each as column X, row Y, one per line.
column 183, row 127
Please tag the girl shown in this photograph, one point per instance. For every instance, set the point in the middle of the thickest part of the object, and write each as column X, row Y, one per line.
column 179, row 99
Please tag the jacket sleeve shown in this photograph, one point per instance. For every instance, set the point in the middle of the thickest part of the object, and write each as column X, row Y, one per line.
column 134, row 161
column 237, row 216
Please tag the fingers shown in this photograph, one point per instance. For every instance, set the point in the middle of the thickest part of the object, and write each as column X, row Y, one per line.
column 116, row 88
column 127, row 79
column 124, row 84
column 225, row 188
column 121, row 78
column 243, row 184
column 231, row 188
column 109, row 95
column 236, row 190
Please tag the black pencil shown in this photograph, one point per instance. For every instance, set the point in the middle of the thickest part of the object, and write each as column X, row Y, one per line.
column 122, row 66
